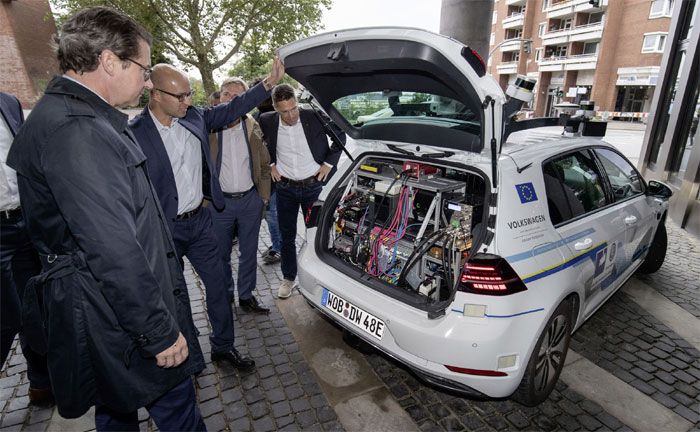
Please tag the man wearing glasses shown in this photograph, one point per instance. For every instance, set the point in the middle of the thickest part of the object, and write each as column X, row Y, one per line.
column 174, row 136
column 111, row 303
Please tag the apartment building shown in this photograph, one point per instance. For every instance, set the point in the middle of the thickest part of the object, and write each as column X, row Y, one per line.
column 608, row 51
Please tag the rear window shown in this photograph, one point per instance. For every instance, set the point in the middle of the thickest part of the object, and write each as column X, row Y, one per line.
column 388, row 106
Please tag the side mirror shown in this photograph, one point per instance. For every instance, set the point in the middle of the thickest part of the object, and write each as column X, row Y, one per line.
column 658, row 189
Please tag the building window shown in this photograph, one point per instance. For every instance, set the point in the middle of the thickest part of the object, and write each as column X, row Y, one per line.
column 595, row 18
column 492, row 39
column 566, row 24
column 545, row 5
column 590, row 48
column 541, row 30
column 538, row 54
column 654, row 42
column 495, row 18
column 661, row 8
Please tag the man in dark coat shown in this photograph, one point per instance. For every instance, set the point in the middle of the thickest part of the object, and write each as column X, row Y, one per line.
column 119, row 331
column 18, row 259
column 301, row 162
column 175, row 138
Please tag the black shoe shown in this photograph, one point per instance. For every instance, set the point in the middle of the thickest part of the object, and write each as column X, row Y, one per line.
column 252, row 305
column 235, row 359
column 272, row 257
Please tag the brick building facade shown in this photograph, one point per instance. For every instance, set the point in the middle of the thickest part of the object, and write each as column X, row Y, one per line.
column 608, row 51
column 27, row 61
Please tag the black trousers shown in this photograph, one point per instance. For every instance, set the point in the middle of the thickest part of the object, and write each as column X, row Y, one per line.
column 19, row 262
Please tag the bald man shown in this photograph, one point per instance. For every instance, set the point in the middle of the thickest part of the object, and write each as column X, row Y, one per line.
column 174, row 136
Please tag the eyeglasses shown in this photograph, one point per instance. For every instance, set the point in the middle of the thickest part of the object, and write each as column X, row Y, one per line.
column 180, row 97
column 147, row 71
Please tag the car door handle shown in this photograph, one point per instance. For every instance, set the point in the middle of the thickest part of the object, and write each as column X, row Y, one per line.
column 629, row 220
column 585, row 244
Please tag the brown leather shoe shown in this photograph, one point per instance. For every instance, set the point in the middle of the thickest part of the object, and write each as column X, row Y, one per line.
column 41, row 397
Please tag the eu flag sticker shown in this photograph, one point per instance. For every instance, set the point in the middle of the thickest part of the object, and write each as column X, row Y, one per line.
column 526, row 192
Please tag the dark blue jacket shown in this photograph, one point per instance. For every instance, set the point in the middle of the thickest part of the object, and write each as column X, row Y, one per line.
column 11, row 111
column 198, row 121
column 315, row 136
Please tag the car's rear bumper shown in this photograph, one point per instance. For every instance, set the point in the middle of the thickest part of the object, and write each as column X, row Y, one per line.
column 428, row 345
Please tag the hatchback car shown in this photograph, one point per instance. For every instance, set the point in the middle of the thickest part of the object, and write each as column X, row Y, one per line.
column 468, row 258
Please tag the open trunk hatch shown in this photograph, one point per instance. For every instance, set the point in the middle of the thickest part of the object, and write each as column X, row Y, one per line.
column 391, row 84
column 404, row 227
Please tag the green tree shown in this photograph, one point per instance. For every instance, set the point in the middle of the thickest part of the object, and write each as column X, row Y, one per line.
column 206, row 34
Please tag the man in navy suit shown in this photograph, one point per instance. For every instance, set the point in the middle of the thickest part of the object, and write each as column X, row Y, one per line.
column 301, row 161
column 175, row 138
column 18, row 259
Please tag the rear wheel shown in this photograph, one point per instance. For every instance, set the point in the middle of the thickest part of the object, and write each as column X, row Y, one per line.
column 547, row 359
column 657, row 252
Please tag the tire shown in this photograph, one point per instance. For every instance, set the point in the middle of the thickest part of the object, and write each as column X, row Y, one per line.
column 657, row 252
column 547, row 358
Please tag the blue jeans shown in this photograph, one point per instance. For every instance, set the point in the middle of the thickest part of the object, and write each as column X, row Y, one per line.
column 19, row 261
column 246, row 214
column 196, row 239
column 176, row 410
column 273, row 224
column 289, row 199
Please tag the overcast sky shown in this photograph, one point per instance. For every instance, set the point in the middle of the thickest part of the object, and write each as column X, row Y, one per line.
column 344, row 14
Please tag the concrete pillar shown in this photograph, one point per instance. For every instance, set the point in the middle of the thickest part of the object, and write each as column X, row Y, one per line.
column 468, row 21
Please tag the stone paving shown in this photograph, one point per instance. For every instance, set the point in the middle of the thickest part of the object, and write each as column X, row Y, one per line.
column 283, row 392
column 679, row 278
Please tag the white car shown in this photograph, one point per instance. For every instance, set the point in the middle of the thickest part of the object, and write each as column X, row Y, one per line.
column 469, row 259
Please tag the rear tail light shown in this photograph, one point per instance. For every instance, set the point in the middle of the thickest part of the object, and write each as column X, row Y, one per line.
column 490, row 275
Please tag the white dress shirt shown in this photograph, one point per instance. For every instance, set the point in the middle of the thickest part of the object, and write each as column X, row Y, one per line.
column 294, row 158
column 185, row 156
column 9, row 194
column 235, row 175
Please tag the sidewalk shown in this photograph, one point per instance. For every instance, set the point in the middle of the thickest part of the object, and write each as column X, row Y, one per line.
column 307, row 379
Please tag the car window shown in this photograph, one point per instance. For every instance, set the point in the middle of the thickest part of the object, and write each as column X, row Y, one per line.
column 624, row 179
column 573, row 186
column 362, row 108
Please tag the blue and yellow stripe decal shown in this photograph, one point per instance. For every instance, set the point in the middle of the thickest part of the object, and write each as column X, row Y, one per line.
column 590, row 253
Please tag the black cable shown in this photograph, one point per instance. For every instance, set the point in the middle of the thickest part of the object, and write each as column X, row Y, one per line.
column 417, row 253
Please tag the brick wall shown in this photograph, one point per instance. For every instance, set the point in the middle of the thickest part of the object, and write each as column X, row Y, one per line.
column 27, row 61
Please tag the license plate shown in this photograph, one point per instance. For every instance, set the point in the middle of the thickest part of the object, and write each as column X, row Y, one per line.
column 353, row 314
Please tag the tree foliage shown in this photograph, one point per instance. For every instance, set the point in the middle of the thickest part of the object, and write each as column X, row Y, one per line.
column 206, row 34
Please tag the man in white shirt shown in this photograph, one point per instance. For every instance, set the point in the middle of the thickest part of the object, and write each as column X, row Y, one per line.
column 18, row 258
column 301, row 162
column 243, row 163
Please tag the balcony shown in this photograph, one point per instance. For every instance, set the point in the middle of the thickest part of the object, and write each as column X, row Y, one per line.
column 556, row 37
column 514, row 21
column 586, row 32
column 516, row 2
column 572, row 62
column 507, row 68
column 568, row 8
column 581, row 62
column 552, row 64
column 582, row 33
column 511, row 45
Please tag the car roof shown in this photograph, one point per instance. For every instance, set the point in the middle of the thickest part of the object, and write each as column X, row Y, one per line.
column 535, row 147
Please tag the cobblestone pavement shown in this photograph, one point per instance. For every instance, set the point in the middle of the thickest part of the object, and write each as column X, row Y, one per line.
column 679, row 278
column 283, row 393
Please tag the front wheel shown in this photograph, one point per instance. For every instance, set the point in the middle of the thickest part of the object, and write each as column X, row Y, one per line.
column 547, row 359
column 657, row 252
